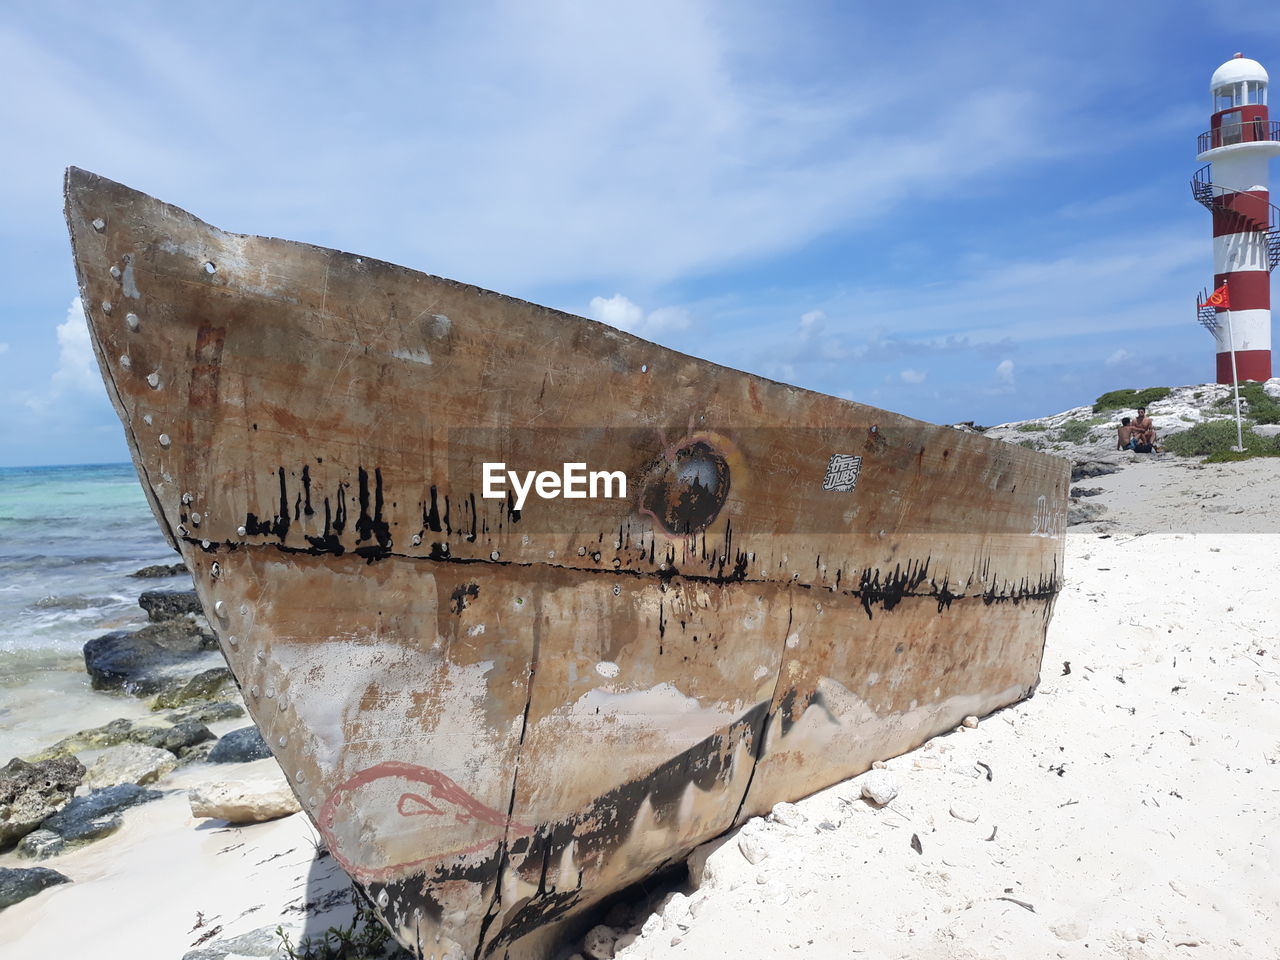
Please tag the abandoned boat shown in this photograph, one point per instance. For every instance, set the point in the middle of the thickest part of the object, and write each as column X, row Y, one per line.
column 499, row 710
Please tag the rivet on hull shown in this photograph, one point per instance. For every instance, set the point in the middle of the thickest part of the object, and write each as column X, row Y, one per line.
column 99, row 224
column 154, row 380
column 131, row 321
column 164, row 440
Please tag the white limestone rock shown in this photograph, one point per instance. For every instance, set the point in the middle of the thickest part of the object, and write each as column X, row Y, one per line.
column 129, row 763
column 599, row 942
column 789, row 815
column 753, row 847
column 243, row 801
column 879, row 787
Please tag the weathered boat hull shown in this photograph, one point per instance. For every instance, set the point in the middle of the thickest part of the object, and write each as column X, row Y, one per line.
column 497, row 717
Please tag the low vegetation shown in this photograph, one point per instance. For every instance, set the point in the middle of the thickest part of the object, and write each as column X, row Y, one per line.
column 1122, row 399
column 1075, row 431
column 1215, row 439
column 1260, row 408
column 365, row 938
column 1032, row 427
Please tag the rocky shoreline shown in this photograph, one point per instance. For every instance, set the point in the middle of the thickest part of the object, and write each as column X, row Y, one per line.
column 73, row 792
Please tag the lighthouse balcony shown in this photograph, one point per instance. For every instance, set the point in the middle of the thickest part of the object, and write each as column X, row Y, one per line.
column 1234, row 135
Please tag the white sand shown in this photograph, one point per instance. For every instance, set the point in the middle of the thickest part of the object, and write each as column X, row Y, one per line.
column 1160, row 837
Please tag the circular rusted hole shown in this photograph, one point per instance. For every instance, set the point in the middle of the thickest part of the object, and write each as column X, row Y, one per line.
column 684, row 491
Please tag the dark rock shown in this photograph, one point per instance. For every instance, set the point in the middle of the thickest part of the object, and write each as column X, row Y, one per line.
column 196, row 754
column 1098, row 467
column 96, row 815
column 152, row 732
column 169, row 604
column 18, row 883
column 41, row 845
column 1085, row 492
column 206, row 712
column 32, row 792
column 240, row 746
column 160, row 570
column 141, row 661
column 1079, row 512
column 206, row 685
column 174, row 737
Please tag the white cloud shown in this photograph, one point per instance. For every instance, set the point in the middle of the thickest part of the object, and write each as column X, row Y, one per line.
column 624, row 141
column 1119, row 357
column 913, row 376
column 811, row 323
column 619, row 311
column 77, row 370
column 1004, row 372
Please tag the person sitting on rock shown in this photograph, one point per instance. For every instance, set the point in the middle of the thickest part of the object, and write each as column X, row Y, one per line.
column 1124, row 434
column 1144, row 431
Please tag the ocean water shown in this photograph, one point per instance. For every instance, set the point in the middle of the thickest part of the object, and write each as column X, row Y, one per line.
column 69, row 539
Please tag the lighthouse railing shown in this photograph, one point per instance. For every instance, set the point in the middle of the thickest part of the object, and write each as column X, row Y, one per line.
column 1219, row 199
column 1250, row 131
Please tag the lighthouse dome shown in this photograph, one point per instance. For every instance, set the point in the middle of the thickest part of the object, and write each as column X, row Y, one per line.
column 1238, row 69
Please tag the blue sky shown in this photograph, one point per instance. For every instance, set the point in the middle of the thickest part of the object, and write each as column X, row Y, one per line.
column 954, row 211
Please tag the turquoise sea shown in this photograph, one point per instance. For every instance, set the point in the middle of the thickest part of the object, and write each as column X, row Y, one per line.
column 69, row 539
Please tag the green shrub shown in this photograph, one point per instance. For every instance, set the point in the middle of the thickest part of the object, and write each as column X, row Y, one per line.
column 1262, row 408
column 1032, row 428
column 1120, row 399
column 365, row 938
column 1073, row 431
column 1215, row 438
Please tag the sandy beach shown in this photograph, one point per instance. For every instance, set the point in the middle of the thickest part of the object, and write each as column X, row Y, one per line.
column 1126, row 810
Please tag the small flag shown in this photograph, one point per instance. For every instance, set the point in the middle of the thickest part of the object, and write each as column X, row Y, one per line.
column 1219, row 298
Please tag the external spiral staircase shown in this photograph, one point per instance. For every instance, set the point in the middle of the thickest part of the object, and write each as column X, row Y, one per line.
column 1220, row 200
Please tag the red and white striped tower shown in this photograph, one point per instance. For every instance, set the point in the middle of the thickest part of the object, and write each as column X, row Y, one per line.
column 1246, row 226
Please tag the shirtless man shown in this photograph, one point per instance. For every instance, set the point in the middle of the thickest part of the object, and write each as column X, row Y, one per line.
column 1144, row 429
column 1124, row 434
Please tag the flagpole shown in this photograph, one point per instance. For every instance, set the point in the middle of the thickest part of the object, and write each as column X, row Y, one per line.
column 1235, row 379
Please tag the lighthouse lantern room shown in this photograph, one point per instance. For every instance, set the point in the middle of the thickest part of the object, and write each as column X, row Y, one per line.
column 1232, row 184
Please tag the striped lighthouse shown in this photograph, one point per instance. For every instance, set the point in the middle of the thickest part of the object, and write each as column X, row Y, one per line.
column 1232, row 184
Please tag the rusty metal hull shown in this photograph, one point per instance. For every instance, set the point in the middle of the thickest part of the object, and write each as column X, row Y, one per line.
column 496, row 717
